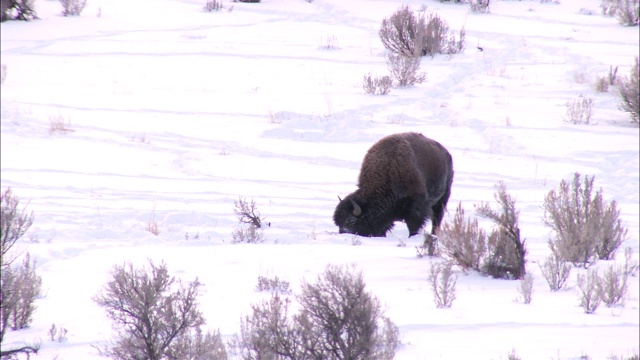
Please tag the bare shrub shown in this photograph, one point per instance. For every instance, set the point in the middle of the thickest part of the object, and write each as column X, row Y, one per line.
column 429, row 246
column 406, row 34
column 150, row 310
column 330, row 42
column 351, row 328
column 14, row 223
column 338, row 320
column 628, row 12
column 480, row 6
column 401, row 33
column 443, row 284
column 506, row 251
column 247, row 212
column 57, row 124
column 213, row 5
column 630, row 93
column 513, row 355
column 613, row 75
column 152, row 224
column 590, row 291
column 630, row 266
column 196, row 345
column 585, row 227
column 614, row 286
column 580, row 110
column 249, row 235
column 404, row 70
column 18, row 10
column 608, row 7
column 274, row 284
column 555, row 270
column 58, row 334
column 438, row 39
column 268, row 332
column 463, row 241
column 20, row 285
column 526, row 288
column 23, row 287
column 602, row 84
column 73, row 7
column 380, row 85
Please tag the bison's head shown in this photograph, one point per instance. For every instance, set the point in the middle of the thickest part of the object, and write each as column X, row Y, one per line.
column 356, row 216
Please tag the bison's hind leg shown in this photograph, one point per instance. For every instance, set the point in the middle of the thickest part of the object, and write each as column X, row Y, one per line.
column 417, row 214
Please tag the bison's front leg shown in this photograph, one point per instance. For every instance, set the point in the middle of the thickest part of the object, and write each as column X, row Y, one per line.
column 417, row 214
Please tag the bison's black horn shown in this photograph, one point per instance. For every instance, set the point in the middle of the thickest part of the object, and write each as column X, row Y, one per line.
column 339, row 198
column 356, row 208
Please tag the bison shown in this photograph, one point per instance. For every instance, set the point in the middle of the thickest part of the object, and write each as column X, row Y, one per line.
column 403, row 176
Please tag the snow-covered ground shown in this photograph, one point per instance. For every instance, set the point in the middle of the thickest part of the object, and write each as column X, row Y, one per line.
column 176, row 112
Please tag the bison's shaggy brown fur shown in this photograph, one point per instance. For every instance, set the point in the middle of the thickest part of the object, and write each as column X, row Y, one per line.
column 403, row 176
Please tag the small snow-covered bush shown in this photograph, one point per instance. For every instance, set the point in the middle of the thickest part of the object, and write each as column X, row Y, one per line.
column 555, row 270
column 153, row 315
column 58, row 334
column 627, row 11
column 213, row 5
column 590, row 291
column 526, row 288
column 429, row 246
column 247, row 212
column 274, row 284
column 196, row 345
column 443, row 284
column 602, row 84
column 407, row 34
column 20, row 285
column 380, row 85
column 338, row 319
column 480, row 6
column 630, row 93
column 249, row 235
column 463, row 241
column 404, row 70
column 630, row 266
column 586, row 228
column 580, row 110
column 614, row 286
column 506, row 250
column 17, row 10
column 72, row 7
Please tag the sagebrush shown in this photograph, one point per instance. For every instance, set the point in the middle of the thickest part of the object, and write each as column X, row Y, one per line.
column 506, row 250
column 154, row 315
column 463, row 241
column 525, row 288
column 586, row 228
column 379, row 85
column 630, row 93
column 443, row 284
column 590, row 291
column 407, row 34
column 580, row 110
column 555, row 270
column 20, row 284
column 338, row 319
column 72, row 7
column 405, row 70
column 17, row 10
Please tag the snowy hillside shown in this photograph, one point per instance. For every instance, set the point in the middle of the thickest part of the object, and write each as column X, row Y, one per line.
column 173, row 113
